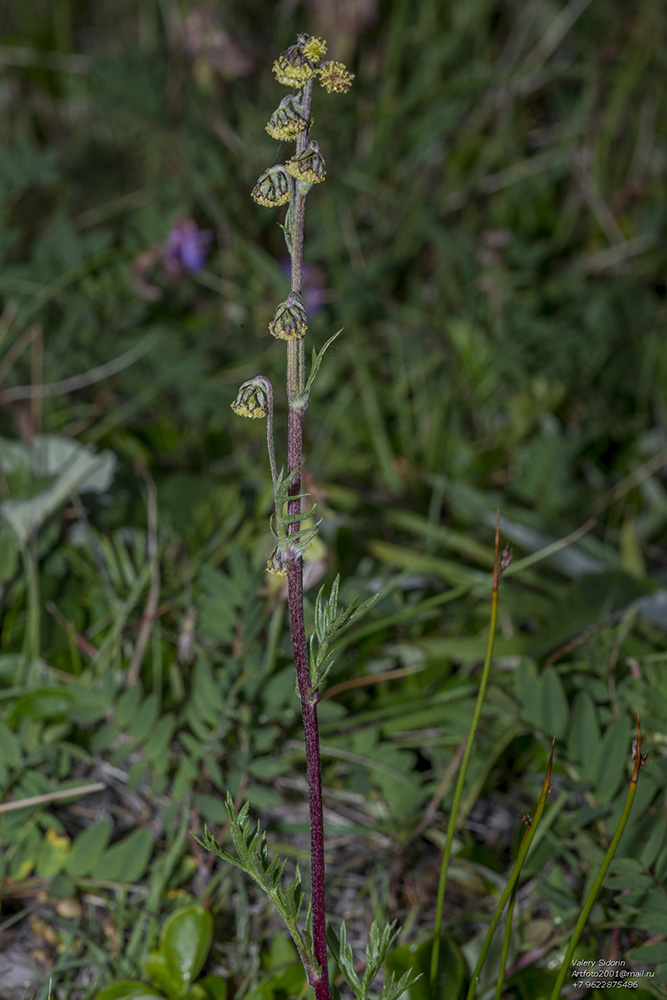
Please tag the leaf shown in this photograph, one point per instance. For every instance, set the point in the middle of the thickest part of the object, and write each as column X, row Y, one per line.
column 53, row 854
column 47, row 703
column 88, row 848
column 553, row 708
column 127, row 860
column 157, row 744
column 527, row 689
column 613, row 757
column 128, row 705
column 10, row 748
column 145, row 718
column 649, row 953
column 71, row 467
column 158, row 971
column 584, row 734
column 210, row 988
column 185, row 942
column 128, row 989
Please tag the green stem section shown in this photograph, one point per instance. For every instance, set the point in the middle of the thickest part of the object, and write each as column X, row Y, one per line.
column 597, row 884
column 458, row 792
column 514, row 877
column 506, row 946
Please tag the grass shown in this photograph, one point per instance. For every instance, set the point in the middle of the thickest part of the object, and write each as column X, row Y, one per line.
column 490, row 241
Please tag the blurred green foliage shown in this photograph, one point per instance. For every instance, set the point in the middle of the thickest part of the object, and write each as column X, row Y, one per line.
column 490, row 237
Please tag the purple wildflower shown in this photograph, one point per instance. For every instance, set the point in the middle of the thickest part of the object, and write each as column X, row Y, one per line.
column 186, row 248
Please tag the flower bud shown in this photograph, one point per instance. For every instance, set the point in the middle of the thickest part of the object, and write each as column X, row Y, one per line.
column 335, row 77
column 275, row 564
column 273, row 188
column 289, row 320
column 308, row 165
column 252, row 399
column 286, row 121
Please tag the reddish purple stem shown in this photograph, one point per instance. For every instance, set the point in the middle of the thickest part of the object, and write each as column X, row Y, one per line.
column 295, row 384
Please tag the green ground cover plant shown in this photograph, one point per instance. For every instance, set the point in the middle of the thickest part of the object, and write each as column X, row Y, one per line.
column 489, row 238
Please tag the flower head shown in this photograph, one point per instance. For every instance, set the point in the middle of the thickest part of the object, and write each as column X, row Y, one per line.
column 308, row 165
column 286, row 121
column 314, row 49
column 335, row 77
column 299, row 62
column 289, row 320
column 272, row 189
column 252, row 399
column 275, row 563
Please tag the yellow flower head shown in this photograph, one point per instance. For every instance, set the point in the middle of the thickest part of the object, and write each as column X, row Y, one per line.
column 292, row 68
column 308, row 166
column 252, row 399
column 275, row 563
column 273, row 188
column 286, row 121
column 335, row 77
column 314, row 49
column 300, row 62
column 289, row 320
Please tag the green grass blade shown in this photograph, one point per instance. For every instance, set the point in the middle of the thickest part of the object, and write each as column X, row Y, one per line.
column 599, row 879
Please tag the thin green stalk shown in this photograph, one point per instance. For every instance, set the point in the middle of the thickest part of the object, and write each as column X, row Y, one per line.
column 604, row 867
column 506, row 945
column 458, row 792
column 513, row 879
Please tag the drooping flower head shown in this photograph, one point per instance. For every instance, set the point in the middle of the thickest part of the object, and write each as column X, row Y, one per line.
column 308, row 165
column 289, row 320
column 286, row 121
column 273, row 187
column 252, row 399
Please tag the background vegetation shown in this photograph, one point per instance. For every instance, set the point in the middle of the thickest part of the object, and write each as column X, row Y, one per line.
column 490, row 238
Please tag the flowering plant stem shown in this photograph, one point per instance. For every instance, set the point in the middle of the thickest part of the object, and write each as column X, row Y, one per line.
column 288, row 184
column 295, row 387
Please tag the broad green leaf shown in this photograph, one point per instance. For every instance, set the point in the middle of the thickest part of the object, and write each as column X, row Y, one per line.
column 212, row 809
column 157, row 744
column 128, row 705
column 128, row 989
column 137, row 773
column 159, row 972
column 127, row 860
column 25, row 857
column 185, row 942
column 53, row 855
column 10, row 748
column 104, row 737
column 613, row 759
column 47, row 703
column 553, row 708
column 88, row 848
column 527, row 690
column 265, row 768
column 144, row 720
column 211, row 988
column 71, row 467
column 649, row 953
column 584, row 734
